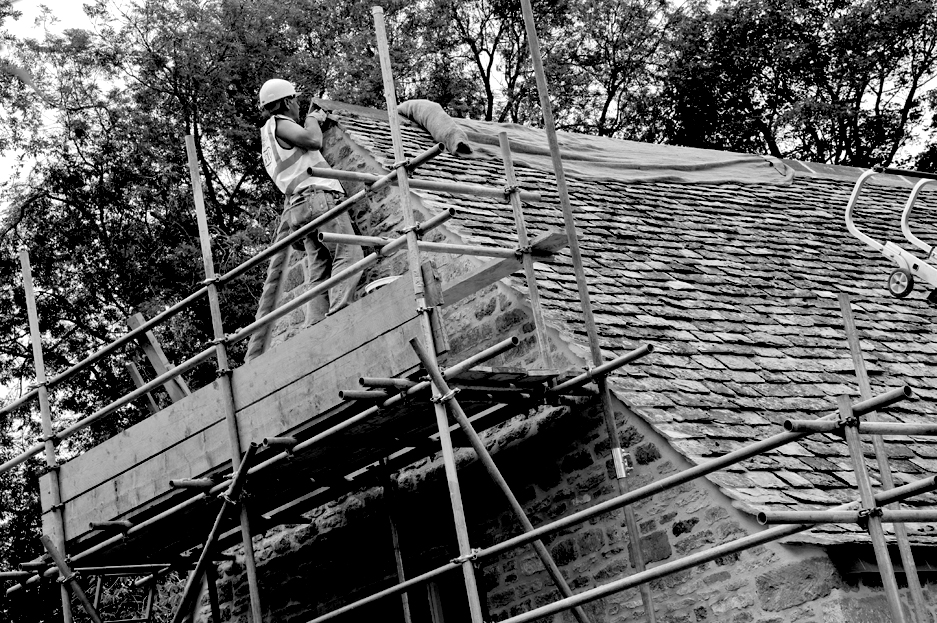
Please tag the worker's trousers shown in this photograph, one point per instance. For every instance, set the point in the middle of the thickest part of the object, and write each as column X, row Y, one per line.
column 324, row 259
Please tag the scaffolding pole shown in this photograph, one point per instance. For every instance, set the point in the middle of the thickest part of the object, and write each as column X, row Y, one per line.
column 390, row 499
column 45, row 412
column 230, row 498
column 523, row 243
column 224, row 374
column 867, row 496
column 211, row 576
column 621, row 481
column 68, row 578
column 413, row 256
column 485, row 457
column 919, row 611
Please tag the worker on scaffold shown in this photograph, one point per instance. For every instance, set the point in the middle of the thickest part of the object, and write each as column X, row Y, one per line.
column 289, row 147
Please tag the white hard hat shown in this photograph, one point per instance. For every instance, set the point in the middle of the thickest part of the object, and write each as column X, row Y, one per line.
column 275, row 89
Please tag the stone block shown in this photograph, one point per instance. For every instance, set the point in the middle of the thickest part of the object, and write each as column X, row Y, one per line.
column 590, row 541
column 682, row 527
column 646, row 454
column 529, row 588
column 797, row 583
column 509, row 319
column 575, row 461
column 868, row 609
column 655, row 546
column 564, row 552
column 736, row 601
column 629, row 436
column 715, row 578
column 617, row 569
column 531, row 565
column 694, row 542
column 486, row 309
column 728, row 559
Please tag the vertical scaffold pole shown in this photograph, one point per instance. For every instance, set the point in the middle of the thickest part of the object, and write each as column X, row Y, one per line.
column 45, row 412
column 224, row 373
column 597, row 359
column 523, row 243
column 212, row 576
column 150, row 598
column 920, row 611
column 390, row 499
column 413, row 253
column 876, row 532
column 98, row 589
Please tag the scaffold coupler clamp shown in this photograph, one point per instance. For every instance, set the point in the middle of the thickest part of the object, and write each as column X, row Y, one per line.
column 234, row 501
column 215, row 341
column 449, row 395
column 511, row 189
column 401, row 163
column 210, row 280
column 866, row 513
column 622, row 461
column 852, row 420
column 416, row 227
column 471, row 556
column 522, row 251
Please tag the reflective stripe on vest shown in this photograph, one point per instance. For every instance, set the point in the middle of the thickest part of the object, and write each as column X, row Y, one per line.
column 291, row 172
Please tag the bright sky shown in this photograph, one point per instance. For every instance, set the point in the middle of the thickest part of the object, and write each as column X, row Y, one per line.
column 69, row 12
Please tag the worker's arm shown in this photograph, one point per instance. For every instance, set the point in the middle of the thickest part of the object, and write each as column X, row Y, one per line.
column 308, row 137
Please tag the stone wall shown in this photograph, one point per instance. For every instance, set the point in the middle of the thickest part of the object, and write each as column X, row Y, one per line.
column 557, row 461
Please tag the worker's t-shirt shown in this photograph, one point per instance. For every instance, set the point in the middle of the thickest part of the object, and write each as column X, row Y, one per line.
column 288, row 167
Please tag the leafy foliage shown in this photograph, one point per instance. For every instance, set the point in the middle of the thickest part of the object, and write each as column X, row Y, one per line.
column 822, row 80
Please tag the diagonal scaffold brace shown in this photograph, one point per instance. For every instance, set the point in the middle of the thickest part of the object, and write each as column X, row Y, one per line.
column 67, row 577
column 455, row 409
column 229, row 498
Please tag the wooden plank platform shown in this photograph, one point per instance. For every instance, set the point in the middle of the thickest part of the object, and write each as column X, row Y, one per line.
column 291, row 390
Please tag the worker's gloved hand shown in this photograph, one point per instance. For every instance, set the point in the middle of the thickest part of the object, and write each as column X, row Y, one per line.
column 317, row 113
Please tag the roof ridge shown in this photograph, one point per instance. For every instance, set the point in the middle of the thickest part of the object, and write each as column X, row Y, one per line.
column 841, row 172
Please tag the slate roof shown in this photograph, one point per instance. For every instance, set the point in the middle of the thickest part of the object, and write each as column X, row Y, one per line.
column 735, row 285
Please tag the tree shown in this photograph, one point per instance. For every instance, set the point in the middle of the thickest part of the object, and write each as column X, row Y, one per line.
column 106, row 210
column 825, row 80
column 605, row 64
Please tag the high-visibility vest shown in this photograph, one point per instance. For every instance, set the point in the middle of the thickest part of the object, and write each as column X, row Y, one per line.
column 288, row 166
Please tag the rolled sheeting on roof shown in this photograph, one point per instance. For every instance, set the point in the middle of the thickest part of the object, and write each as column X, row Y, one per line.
column 604, row 158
